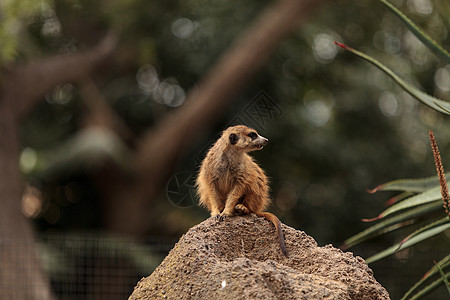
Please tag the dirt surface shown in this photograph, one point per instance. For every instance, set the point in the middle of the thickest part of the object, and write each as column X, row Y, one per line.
column 239, row 258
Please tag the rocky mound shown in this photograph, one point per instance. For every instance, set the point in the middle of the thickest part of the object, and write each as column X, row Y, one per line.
column 239, row 258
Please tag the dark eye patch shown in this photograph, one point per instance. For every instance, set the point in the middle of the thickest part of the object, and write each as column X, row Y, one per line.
column 233, row 138
column 252, row 135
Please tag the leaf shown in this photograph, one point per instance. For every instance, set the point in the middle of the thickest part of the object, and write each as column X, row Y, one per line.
column 447, row 110
column 374, row 230
column 425, row 228
column 398, row 198
column 421, row 35
column 443, row 263
column 419, row 199
column 433, row 102
column 416, row 185
column 414, row 240
column 426, row 289
column 444, row 278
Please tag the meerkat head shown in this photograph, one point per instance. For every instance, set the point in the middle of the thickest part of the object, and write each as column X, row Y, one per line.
column 244, row 138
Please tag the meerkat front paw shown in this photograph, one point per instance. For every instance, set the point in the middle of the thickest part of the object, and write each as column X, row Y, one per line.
column 223, row 216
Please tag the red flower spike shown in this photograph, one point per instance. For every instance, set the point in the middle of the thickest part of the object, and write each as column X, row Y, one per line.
column 440, row 172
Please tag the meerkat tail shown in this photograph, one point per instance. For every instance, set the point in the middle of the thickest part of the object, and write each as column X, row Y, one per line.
column 272, row 218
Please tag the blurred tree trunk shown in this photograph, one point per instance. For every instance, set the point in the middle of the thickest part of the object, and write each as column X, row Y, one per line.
column 21, row 276
column 20, row 273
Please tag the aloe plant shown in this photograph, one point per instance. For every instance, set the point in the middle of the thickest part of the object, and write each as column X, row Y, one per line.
column 419, row 289
column 420, row 34
column 418, row 198
column 404, row 213
column 433, row 102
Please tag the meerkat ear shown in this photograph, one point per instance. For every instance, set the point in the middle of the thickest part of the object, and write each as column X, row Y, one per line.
column 233, row 139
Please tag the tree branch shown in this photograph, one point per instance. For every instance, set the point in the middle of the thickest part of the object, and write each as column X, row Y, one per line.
column 100, row 113
column 26, row 85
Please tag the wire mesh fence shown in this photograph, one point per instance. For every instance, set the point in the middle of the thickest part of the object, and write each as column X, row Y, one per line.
column 98, row 266
column 93, row 266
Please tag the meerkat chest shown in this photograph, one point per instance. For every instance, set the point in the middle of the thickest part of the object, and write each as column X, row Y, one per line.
column 228, row 174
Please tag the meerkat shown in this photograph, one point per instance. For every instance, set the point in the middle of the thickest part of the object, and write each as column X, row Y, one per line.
column 230, row 181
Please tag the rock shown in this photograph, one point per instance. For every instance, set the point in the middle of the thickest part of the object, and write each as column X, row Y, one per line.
column 239, row 258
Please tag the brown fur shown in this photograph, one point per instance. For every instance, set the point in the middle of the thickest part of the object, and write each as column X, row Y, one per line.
column 231, row 181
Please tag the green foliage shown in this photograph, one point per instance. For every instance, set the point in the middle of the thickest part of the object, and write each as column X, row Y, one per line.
column 410, row 211
column 444, row 278
column 418, row 236
column 419, row 33
column 418, row 290
column 409, row 185
column 389, row 224
column 14, row 16
column 420, row 196
column 433, row 102
column 428, row 196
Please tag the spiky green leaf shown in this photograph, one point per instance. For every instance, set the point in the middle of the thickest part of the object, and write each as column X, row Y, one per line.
column 415, row 185
column 427, row 289
column 433, row 102
column 421, row 35
column 419, row 199
column 414, row 240
column 443, row 263
column 399, row 198
column 425, row 228
column 444, row 278
column 377, row 229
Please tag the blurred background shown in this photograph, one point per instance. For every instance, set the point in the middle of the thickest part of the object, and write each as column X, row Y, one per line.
column 337, row 127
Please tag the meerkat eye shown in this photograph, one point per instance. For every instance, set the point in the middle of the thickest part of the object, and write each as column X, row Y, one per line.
column 233, row 139
column 252, row 135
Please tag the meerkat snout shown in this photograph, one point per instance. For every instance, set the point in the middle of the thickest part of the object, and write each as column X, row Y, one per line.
column 261, row 141
column 257, row 141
